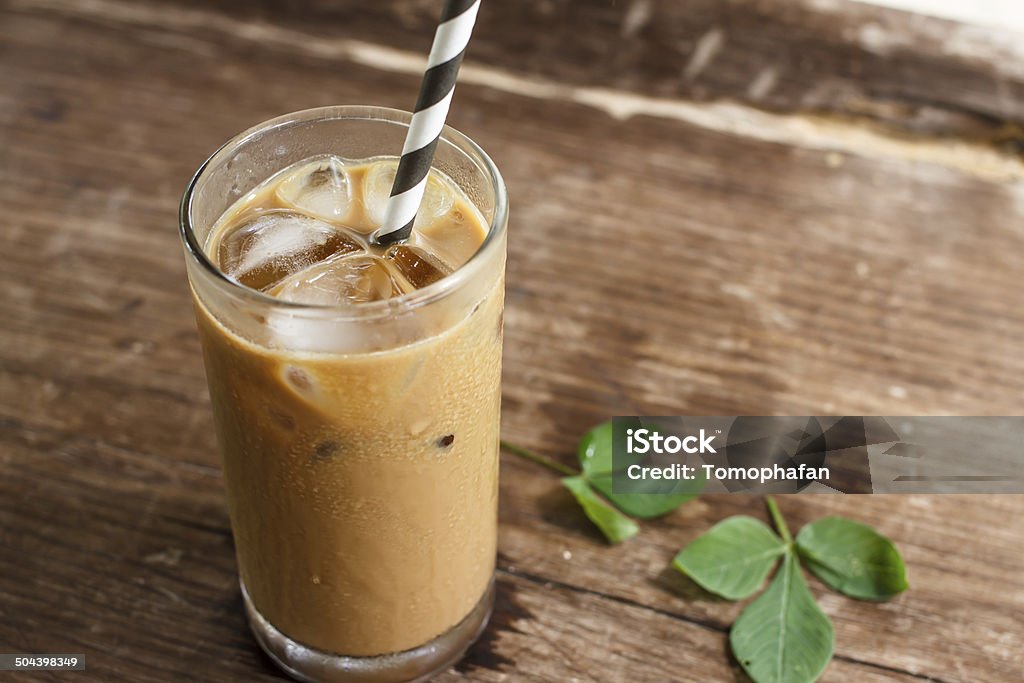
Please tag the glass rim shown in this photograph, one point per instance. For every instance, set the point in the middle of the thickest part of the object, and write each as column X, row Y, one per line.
column 414, row 299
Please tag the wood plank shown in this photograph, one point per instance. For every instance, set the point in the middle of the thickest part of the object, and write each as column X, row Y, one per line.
column 910, row 73
column 793, row 280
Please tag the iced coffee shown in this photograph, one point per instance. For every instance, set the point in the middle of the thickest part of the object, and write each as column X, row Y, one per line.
column 355, row 389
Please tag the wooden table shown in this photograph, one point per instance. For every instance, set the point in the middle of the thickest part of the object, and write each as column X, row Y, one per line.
column 751, row 207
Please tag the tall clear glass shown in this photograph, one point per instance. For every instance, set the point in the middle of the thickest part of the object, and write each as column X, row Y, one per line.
column 359, row 442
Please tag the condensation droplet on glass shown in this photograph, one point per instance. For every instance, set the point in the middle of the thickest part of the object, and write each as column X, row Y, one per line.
column 419, row 426
column 299, row 379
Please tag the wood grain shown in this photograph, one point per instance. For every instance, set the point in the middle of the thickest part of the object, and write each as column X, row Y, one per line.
column 910, row 73
column 676, row 267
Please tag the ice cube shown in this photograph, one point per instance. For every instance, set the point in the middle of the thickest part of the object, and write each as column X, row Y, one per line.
column 321, row 189
column 437, row 199
column 271, row 246
column 456, row 238
column 348, row 279
column 417, row 265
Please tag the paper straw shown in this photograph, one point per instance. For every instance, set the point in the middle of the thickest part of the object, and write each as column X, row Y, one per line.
column 450, row 41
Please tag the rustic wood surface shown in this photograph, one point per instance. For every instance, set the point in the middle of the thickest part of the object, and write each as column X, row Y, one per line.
column 746, row 207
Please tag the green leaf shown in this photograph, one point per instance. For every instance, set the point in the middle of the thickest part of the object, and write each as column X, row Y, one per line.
column 783, row 637
column 852, row 558
column 595, row 453
column 733, row 558
column 613, row 524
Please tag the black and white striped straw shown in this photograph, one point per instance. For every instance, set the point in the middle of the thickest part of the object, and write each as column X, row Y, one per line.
column 428, row 119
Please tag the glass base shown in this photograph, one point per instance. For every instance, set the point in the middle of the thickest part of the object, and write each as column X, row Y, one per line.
column 418, row 664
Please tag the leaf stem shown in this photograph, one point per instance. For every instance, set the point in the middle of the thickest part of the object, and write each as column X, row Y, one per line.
column 780, row 522
column 539, row 459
